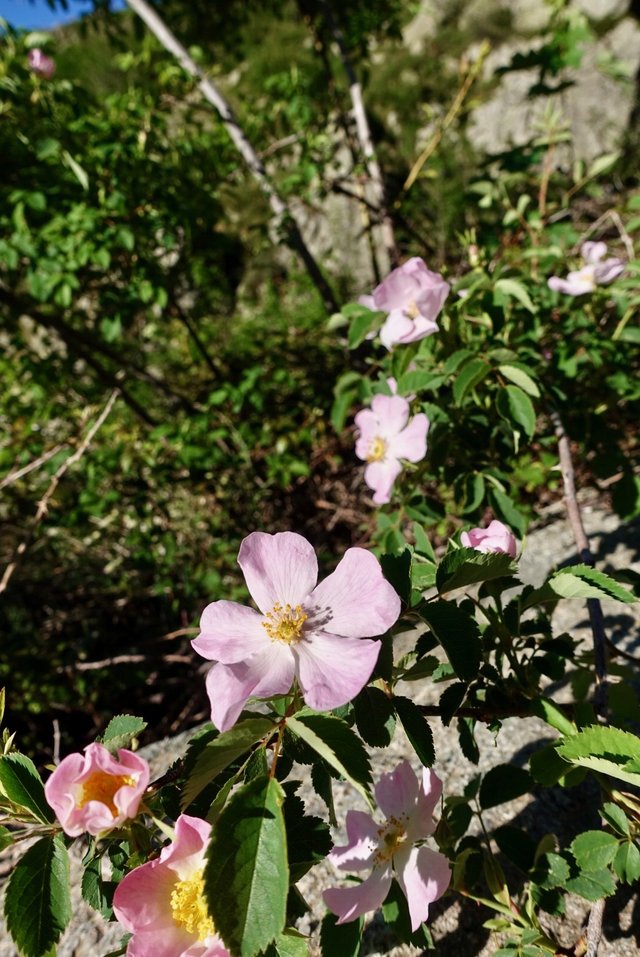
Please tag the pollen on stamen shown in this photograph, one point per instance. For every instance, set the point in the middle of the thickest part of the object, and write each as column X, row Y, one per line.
column 377, row 450
column 285, row 623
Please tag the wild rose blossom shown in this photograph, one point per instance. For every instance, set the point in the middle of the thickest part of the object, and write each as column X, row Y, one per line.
column 41, row 64
column 313, row 633
column 594, row 273
column 162, row 902
column 392, row 850
column 95, row 792
column 385, row 436
column 413, row 296
column 496, row 537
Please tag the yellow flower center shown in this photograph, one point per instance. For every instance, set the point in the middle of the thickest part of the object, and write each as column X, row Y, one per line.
column 285, row 624
column 101, row 786
column 189, row 908
column 378, row 450
column 392, row 837
column 412, row 311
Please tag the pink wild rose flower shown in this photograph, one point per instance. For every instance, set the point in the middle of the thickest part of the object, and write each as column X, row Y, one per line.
column 95, row 792
column 385, row 436
column 595, row 272
column 393, row 849
column 413, row 296
column 162, row 902
column 41, row 64
column 314, row 633
column 496, row 537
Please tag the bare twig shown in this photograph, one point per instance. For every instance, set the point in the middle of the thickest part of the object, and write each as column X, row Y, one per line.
column 43, row 504
column 20, row 473
column 127, row 660
column 594, row 928
column 56, row 741
column 582, row 543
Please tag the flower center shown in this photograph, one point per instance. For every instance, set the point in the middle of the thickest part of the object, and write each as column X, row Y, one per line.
column 189, row 908
column 101, row 786
column 392, row 837
column 377, row 450
column 285, row 624
column 412, row 311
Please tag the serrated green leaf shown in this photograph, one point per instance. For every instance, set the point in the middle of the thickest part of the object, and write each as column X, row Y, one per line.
column 582, row 581
column 397, row 570
column 222, row 751
column 547, row 767
column 592, row 886
column 375, row 719
column 289, row 944
column 333, row 740
column 423, row 545
column 520, row 378
column 604, row 749
column 506, row 511
column 246, row 877
column 121, row 730
column 340, row 940
column 626, row 863
column 93, row 888
column 471, row 374
column 503, row 783
column 416, row 728
column 594, row 850
column 458, row 633
column 552, row 714
column 513, row 289
column 37, row 905
column 615, row 816
column 551, row 870
column 516, row 407
column 20, row 781
column 308, row 837
column 467, row 566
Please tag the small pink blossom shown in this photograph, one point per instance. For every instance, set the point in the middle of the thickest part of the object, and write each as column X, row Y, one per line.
column 41, row 64
column 413, row 296
column 162, row 902
column 95, row 792
column 391, row 849
column 593, row 273
column 385, row 435
column 496, row 537
column 314, row 633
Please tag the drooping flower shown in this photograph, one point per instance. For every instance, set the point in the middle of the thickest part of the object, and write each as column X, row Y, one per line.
column 496, row 537
column 413, row 296
column 317, row 634
column 95, row 792
column 385, row 436
column 162, row 902
column 41, row 64
column 595, row 272
column 392, row 849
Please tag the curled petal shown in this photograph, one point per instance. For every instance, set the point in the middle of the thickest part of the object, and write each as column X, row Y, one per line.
column 362, row 836
column 424, row 876
column 609, row 270
column 229, row 687
column 280, row 568
column 396, row 328
column 380, row 476
column 229, row 632
column 351, row 902
column 332, row 670
column 593, row 252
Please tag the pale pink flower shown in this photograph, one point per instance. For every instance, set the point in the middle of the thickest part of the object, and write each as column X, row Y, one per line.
column 385, row 436
column 392, row 849
column 413, row 296
column 593, row 273
column 162, row 902
column 41, row 64
column 496, row 537
column 95, row 792
column 313, row 633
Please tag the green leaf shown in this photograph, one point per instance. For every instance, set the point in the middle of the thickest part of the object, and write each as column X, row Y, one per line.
column 506, row 511
column 513, row 289
column 547, row 767
column 469, row 377
column 416, row 728
column 340, row 940
column 308, row 837
column 397, row 570
column 552, row 714
column 37, row 903
column 520, row 378
column 515, row 406
column 466, row 566
column 592, row 886
column 615, row 816
column 21, row 783
column 361, row 323
column 594, row 850
column 582, row 581
column 222, row 751
column 333, row 740
column 458, row 633
column 627, row 863
column 6, row 838
column 551, row 870
column 503, row 783
column 246, row 877
column 604, row 749
column 77, row 170
column 291, row 943
column 93, row 888
column 375, row 719
column 121, row 731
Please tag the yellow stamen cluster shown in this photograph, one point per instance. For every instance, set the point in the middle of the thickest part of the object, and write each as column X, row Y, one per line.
column 392, row 837
column 189, row 908
column 285, row 624
column 412, row 311
column 101, row 786
column 378, row 450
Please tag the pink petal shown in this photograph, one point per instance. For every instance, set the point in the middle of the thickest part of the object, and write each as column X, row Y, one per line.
column 356, row 600
column 396, row 791
column 609, row 270
column 229, row 632
column 396, row 326
column 362, row 837
column 333, row 670
column 171, row 941
column 230, row 686
column 185, row 854
column 424, row 876
column 429, row 791
column 143, row 898
column 392, row 412
column 411, row 443
column 278, row 568
column 421, row 327
column 593, row 252
column 380, row 476
column 351, row 902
